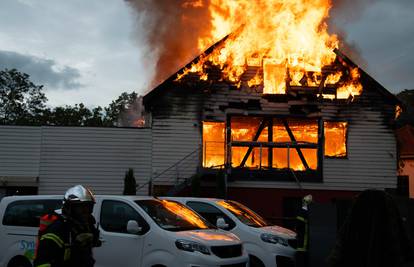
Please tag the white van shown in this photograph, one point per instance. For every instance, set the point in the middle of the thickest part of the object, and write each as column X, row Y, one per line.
column 135, row 231
column 267, row 245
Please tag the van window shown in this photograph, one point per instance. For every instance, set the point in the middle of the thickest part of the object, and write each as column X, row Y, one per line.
column 173, row 216
column 210, row 213
column 28, row 212
column 116, row 214
column 244, row 214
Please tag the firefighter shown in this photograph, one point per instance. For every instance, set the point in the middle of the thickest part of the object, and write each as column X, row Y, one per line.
column 302, row 230
column 67, row 237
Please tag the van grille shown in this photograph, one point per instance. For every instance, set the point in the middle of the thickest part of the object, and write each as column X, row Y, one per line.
column 227, row 251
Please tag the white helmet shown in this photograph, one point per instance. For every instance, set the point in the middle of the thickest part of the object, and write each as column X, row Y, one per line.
column 307, row 199
column 78, row 194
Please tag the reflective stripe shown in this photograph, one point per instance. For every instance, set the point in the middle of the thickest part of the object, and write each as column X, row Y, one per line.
column 305, row 238
column 66, row 257
column 300, row 218
column 44, row 265
column 54, row 238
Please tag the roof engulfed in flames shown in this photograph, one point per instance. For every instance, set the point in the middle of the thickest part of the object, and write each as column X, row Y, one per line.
column 288, row 39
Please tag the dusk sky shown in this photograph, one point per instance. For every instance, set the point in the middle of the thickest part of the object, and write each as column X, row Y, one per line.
column 92, row 51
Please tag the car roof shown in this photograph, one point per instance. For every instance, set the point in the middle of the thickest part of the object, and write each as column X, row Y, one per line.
column 207, row 199
column 35, row 197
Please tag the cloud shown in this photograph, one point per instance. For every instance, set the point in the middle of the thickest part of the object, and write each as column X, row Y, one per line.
column 42, row 71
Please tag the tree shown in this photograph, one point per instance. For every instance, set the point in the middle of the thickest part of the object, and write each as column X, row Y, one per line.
column 122, row 104
column 77, row 115
column 130, row 184
column 21, row 101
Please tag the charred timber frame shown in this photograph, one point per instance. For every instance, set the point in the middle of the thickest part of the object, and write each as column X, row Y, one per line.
column 293, row 139
column 262, row 125
column 252, row 144
column 268, row 121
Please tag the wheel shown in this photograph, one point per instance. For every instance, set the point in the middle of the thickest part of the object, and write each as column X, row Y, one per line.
column 255, row 262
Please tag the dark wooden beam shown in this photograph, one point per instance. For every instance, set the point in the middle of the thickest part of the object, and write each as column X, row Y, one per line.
column 228, row 144
column 292, row 137
column 273, row 144
column 270, row 140
column 321, row 145
column 262, row 125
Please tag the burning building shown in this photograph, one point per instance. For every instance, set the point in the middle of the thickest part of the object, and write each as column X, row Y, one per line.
column 277, row 108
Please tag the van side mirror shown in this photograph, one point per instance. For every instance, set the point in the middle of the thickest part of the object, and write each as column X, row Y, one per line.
column 133, row 227
column 221, row 223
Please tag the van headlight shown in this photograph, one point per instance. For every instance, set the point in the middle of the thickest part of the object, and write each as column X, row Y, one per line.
column 191, row 246
column 274, row 239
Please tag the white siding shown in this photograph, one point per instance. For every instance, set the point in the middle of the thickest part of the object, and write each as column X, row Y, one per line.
column 19, row 155
column 176, row 140
column 96, row 157
column 65, row 156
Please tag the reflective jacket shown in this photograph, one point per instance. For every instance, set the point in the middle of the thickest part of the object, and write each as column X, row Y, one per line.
column 302, row 230
column 66, row 243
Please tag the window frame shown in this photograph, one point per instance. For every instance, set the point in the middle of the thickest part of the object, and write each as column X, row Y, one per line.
column 270, row 174
column 32, row 202
column 142, row 222
column 226, row 218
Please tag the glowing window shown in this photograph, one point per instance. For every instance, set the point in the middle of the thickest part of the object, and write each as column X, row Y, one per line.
column 335, row 139
column 304, row 131
column 213, row 144
column 245, row 129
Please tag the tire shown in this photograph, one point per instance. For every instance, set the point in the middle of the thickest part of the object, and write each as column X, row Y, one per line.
column 255, row 262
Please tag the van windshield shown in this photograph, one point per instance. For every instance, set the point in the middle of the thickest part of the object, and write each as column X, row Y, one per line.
column 173, row 216
column 243, row 213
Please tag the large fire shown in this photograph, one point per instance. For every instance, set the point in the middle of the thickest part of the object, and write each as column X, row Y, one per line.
column 245, row 129
column 287, row 38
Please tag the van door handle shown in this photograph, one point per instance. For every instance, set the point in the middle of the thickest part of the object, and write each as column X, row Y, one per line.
column 102, row 240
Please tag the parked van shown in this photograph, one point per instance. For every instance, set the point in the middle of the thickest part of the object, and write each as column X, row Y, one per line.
column 135, row 231
column 267, row 245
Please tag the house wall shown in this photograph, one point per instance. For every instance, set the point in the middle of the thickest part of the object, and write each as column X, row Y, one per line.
column 64, row 156
column 176, row 134
column 371, row 162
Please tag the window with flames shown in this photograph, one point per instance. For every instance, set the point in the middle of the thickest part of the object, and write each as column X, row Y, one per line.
column 271, row 143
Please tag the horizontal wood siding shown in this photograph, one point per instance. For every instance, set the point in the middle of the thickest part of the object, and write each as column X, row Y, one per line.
column 19, row 154
column 371, row 162
column 96, row 157
column 176, row 137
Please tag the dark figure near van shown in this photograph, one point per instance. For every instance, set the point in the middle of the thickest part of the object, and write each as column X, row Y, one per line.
column 302, row 231
column 66, row 238
column 373, row 235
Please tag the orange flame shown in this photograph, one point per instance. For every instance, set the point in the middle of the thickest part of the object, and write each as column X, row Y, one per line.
column 182, row 211
column 288, row 38
column 244, row 129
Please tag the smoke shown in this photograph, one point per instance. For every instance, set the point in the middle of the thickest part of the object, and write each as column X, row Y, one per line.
column 343, row 13
column 172, row 29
